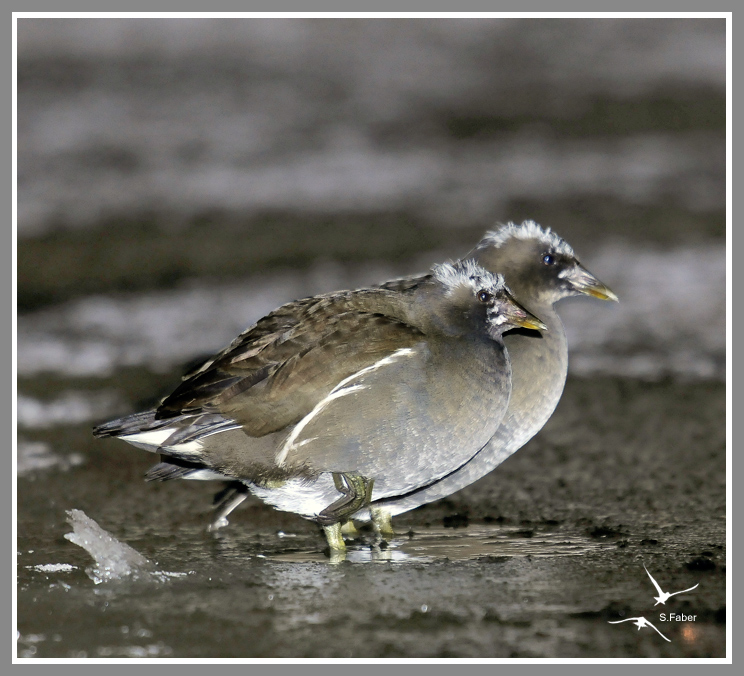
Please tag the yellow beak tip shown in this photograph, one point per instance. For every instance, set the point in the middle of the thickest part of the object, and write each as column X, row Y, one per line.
column 534, row 325
column 603, row 294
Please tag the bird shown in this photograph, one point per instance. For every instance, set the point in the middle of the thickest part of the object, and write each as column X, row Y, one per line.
column 663, row 596
column 540, row 268
column 332, row 402
column 641, row 622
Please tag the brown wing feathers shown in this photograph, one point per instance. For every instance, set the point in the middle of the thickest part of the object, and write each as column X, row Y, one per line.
column 279, row 369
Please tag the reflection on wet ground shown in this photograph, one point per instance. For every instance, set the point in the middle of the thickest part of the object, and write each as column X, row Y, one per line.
column 454, row 545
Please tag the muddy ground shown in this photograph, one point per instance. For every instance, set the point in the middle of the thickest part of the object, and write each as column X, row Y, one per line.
column 534, row 560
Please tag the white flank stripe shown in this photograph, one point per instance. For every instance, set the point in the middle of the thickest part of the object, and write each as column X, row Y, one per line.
column 152, row 437
column 236, row 426
column 336, row 392
column 206, row 475
column 189, row 448
column 157, row 438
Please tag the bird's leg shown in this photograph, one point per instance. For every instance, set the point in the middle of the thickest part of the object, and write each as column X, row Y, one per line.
column 335, row 542
column 382, row 521
column 349, row 529
column 228, row 499
column 356, row 492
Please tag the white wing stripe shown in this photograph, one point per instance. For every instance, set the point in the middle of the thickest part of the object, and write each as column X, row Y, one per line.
column 339, row 391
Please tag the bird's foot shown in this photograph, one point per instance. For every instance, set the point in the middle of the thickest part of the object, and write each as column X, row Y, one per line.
column 227, row 500
column 382, row 521
column 336, row 544
column 349, row 530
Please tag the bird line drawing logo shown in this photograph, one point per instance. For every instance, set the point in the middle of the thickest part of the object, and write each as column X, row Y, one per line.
column 663, row 596
column 641, row 622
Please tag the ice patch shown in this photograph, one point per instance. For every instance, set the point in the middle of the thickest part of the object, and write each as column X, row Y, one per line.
column 54, row 568
column 114, row 560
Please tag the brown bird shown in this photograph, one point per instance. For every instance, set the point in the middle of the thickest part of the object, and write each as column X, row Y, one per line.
column 332, row 402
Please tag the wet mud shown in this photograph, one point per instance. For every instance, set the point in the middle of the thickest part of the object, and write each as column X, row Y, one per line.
column 534, row 560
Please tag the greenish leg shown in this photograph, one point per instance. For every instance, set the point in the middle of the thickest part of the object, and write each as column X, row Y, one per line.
column 356, row 492
column 349, row 529
column 368, row 495
column 335, row 539
column 382, row 522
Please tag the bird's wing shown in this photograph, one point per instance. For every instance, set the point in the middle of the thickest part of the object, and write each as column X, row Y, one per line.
column 657, row 631
column 274, row 373
column 630, row 619
column 685, row 590
column 658, row 588
column 405, row 284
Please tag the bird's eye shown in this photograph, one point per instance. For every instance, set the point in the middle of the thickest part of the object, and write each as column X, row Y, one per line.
column 548, row 259
column 484, row 296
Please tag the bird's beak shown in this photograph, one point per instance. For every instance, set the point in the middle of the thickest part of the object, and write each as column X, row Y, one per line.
column 517, row 315
column 584, row 281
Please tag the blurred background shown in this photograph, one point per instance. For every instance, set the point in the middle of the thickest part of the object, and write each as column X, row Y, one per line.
column 173, row 171
column 179, row 178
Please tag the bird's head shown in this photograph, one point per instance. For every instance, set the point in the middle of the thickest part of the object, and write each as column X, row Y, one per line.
column 469, row 298
column 537, row 264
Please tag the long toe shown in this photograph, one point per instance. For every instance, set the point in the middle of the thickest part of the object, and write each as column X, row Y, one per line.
column 235, row 496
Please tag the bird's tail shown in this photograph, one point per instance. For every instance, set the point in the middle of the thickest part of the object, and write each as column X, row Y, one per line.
column 179, row 436
column 130, row 424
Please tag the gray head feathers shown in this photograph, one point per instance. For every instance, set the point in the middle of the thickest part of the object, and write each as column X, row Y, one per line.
column 526, row 230
column 469, row 274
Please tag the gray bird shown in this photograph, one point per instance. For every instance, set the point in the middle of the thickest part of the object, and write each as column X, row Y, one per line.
column 332, row 402
column 540, row 268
